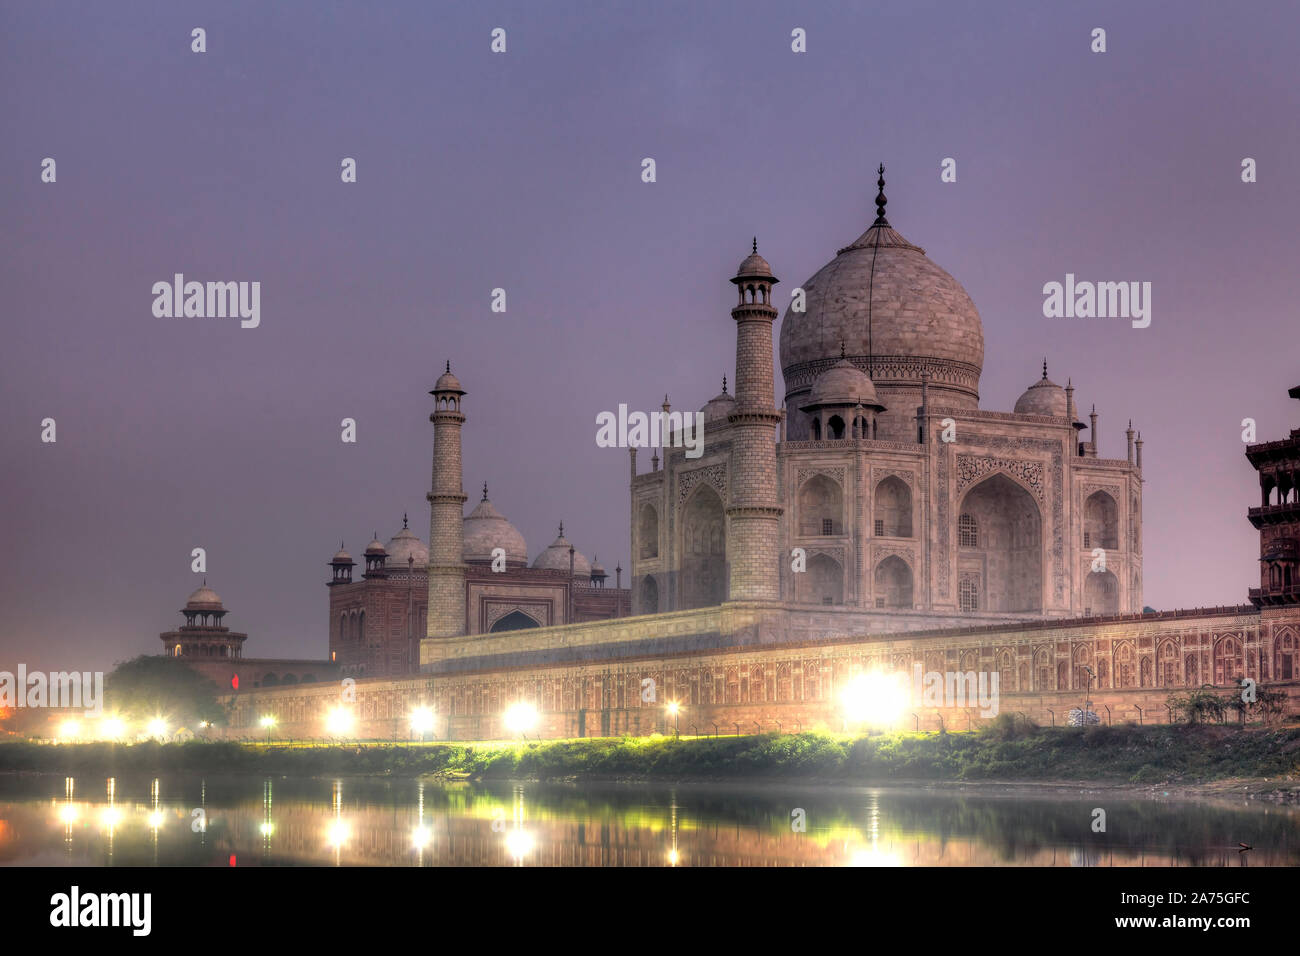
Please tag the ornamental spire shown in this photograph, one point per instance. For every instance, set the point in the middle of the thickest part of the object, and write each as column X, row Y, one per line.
column 880, row 198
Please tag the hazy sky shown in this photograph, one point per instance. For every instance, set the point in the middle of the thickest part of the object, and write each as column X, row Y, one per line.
column 522, row 171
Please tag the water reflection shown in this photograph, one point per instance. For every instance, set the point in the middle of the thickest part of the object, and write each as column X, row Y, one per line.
column 45, row 820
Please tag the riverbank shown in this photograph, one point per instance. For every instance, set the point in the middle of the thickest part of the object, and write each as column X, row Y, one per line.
column 1133, row 756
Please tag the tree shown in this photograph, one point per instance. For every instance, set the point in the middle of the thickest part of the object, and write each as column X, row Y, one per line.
column 151, row 686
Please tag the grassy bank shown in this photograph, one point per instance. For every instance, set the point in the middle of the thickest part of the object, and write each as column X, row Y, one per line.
column 1163, row 754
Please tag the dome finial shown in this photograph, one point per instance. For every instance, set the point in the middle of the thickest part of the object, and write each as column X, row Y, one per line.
column 403, row 520
column 755, row 249
column 448, row 365
column 880, row 198
column 1044, row 368
column 561, row 529
column 841, row 348
column 724, row 385
column 485, row 491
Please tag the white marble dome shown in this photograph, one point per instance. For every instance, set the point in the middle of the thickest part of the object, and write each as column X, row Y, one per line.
column 719, row 406
column 843, row 384
column 556, row 558
column 405, row 544
column 487, row 529
column 898, row 315
column 1044, row 397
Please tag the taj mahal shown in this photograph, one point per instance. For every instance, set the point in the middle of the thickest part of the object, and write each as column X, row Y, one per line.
column 876, row 516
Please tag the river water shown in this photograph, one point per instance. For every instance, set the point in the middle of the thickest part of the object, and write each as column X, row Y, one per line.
column 175, row 820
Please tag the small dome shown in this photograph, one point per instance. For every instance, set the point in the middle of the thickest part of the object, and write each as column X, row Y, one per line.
column 204, row 599
column 556, row 558
column 1044, row 397
column 405, row 544
column 375, row 547
column 487, row 529
column 448, row 382
column 843, row 384
column 754, row 265
column 342, row 557
column 719, row 406
column 596, row 569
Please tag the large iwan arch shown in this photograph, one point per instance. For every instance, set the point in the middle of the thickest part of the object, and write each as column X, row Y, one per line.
column 1002, row 538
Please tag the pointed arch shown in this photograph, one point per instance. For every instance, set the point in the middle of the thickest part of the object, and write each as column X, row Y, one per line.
column 1003, row 525
column 821, row 583
column 1100, row 522
column 649, row 595
column 893, row 583
column 821, row 506
column 648, row 532
column 893, row 508
column 704, row 550
column 514, row 621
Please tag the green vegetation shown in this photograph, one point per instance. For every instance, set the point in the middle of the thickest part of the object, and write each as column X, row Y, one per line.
column 152, row 685
column 1004, row 750
column 1206, row 706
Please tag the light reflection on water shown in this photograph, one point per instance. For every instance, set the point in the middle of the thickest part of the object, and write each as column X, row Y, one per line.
column 46, row 820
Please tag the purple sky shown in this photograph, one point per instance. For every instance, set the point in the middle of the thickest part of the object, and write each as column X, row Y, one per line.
column 523, row 171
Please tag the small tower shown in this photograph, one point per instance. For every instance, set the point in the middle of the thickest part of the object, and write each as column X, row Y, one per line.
column 376, row 557
column 598, row 574
column 446, row 614
column 754, row 511
column 342, row 565
column 203, row 635
column 1277, row 518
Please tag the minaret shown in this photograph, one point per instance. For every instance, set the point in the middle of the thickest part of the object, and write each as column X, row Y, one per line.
column 1092, row 432
column 1129, row 435
column 753, row 538
column 446, row 614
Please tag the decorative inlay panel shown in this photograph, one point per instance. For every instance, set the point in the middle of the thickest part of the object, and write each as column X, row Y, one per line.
column 830, row 471
column 715, row 476
column 971, row 469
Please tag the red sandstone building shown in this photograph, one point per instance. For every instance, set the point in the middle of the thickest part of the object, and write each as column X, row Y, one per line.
column 377, row 622
column 206, row 645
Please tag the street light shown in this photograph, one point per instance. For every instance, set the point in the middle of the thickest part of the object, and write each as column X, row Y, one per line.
column 421, row 721
column 520, row 718
column 674, row 708
column 339, row 722
column 268, row 722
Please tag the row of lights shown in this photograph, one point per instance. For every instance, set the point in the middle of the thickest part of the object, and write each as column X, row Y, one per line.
column 871, row 698
column 110, row 727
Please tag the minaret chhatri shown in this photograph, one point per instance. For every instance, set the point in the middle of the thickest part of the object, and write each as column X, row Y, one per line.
column 754, row 513
column 446, row 614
